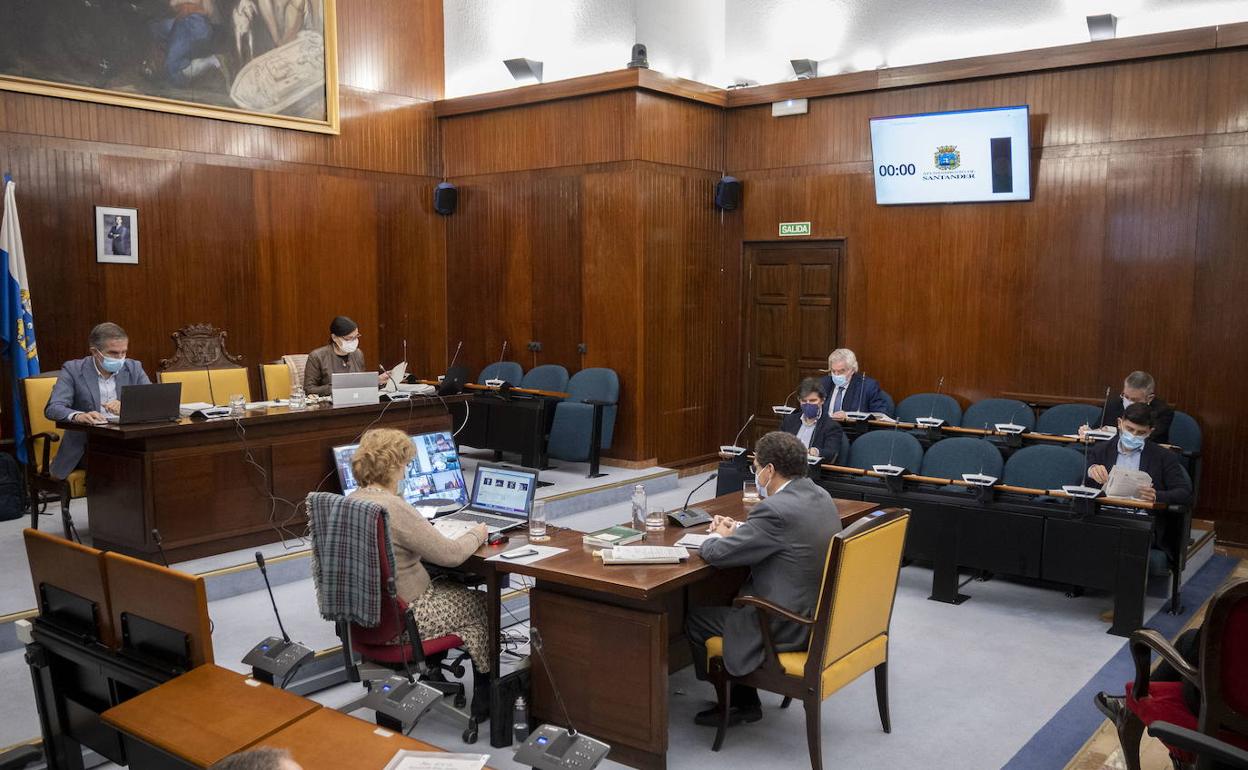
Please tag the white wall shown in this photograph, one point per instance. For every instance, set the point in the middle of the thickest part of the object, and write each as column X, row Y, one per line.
column 718, row 41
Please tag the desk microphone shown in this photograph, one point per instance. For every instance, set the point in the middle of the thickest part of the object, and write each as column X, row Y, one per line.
column 458, row 348
column 211, row 395
column 691, row 517
column 160, row 546
column 784, row 409
column 862, row 393
column 931, row 421
column 495, row 382
column 1104, row 406
column 275, row 660
column 737, row 438
column 401, row 699
column 554, row 748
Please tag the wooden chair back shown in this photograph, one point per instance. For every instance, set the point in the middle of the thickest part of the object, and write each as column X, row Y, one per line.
column 57, row 564
column 276, row 380
column 160, row 595
column 36, row 391
column 1224, row 662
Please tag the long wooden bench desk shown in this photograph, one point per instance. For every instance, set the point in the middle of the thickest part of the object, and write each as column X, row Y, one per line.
column 218, row 485
column 612, row 635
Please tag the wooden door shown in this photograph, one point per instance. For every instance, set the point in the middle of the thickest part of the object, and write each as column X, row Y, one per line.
column 792, row 292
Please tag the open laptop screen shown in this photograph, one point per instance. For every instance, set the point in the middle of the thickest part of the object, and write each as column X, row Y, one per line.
column 433, row 474
column 505, row 491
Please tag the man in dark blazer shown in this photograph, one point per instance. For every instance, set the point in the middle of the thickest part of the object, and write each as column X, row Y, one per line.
column 1140, row 388
column 818, row 432
column 848, row 390
column 784, row 541
column 87, row 388
column 1132, row 448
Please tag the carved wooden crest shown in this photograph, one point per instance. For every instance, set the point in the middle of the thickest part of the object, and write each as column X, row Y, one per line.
column 199, row 346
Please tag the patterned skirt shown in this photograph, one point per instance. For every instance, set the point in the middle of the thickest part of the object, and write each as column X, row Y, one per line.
column 448, row 607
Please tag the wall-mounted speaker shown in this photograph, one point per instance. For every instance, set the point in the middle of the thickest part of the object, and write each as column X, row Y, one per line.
column 445, row 198
column 728, row 193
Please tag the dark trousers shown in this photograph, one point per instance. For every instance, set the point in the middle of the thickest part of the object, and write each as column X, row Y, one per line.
column 701, row 624
column 1188, row 646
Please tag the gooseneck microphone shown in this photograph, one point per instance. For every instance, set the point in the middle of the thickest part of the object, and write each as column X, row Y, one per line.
column 554, row 748
column 743, row 427
column 691, row 517
column 211, row 395
column 705, row 481
column 535, row 641
column 1104, row 407
column 264, row 573
column 160, row 546
column 458, row 348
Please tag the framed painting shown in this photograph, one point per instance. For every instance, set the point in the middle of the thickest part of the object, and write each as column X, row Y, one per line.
column 116, row 235
column 266, row 62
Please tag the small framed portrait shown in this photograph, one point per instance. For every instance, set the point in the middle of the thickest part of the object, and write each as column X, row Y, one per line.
column 116, row 235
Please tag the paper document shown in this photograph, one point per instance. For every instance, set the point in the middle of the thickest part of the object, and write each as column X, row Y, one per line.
column 691, row 540
column 429, row 760
column 1126, row 483
column 543, row 551
column 396, row 376
column 453, row 529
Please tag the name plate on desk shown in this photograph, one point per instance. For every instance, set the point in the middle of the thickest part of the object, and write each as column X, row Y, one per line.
column 1010, row 428
column 929, row 422
column 857, row 416
column 888, row 470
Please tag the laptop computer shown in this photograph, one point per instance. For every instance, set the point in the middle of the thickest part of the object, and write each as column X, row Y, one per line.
column 354, row 389
column 433, row 478
column 502, row 497
column 148, row 403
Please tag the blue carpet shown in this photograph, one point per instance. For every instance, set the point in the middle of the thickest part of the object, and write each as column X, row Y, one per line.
column 1056, row 743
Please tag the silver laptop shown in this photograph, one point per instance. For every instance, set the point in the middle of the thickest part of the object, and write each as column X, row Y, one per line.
column 355, row 389
column 502, row 497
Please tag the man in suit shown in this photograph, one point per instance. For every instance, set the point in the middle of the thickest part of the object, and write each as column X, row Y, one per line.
column 1140, row 388
column 1131, row 448
column 848, row 390
column 784, row 541
column 341, row 356
column 818, row 432
column 88, row 387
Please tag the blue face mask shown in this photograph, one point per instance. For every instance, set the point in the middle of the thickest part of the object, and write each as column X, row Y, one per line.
column 841, row 380
column 810, row 411
column 1130, row 441
column 113, row 365
column 762, row 488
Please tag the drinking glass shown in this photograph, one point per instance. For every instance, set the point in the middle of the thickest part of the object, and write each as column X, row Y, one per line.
column 749, row 492
column 297, row 398
column 237, row 403
column 656, row 519
column 537, row 523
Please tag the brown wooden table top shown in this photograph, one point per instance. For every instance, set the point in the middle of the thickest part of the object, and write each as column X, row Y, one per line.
column 260, row 417
column 207, row 714
column 328, row 740
column 578, row 567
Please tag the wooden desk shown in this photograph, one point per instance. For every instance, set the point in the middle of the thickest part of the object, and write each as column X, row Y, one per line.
column 202, row 717
column 193, row 481
column 328, row 740
column 612, row 635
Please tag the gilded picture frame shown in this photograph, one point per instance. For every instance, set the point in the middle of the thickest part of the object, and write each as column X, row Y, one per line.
column 260, row 62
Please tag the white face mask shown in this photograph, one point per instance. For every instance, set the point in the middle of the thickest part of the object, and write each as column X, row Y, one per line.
column 347, row 346
column 1126, row 402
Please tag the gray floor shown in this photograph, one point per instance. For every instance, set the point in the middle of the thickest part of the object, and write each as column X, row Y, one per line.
column 989, row 673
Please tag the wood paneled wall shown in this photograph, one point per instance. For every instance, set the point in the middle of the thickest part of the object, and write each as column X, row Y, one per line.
column 590, row 221
column 267, row 233
column 1130, row 256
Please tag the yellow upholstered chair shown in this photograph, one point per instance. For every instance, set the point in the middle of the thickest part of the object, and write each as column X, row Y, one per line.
column 43, row 439
column 197, row 387
column 848, row 633
column 276, row 381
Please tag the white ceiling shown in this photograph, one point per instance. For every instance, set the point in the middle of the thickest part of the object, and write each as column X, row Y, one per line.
column 719, row 41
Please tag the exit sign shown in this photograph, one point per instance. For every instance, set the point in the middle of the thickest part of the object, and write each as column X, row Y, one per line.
column 794, row 228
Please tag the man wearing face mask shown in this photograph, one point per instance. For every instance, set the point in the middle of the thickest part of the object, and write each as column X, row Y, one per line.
column 848, row 390
column 819, row 433
column 341, row 356
column 1140, row 388
column 89, row 387
column 784, row 541
column 1132, row 449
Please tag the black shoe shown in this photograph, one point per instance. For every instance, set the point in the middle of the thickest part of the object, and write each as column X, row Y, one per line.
column 736, row 715
column 480, row 709
column 1110, row 705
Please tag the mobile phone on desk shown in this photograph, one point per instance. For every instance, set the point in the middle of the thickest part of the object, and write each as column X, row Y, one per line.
column 520, row 553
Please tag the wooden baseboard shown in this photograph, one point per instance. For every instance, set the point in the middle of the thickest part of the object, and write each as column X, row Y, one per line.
column 635, row 465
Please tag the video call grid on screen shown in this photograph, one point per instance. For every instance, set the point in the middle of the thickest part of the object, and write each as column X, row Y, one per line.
column 965, row 156
column 503, row 491
column 433, row 474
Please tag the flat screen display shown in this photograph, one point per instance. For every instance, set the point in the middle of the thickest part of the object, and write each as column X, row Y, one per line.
column 504, row 491
column 433, row 474
column 952, row 157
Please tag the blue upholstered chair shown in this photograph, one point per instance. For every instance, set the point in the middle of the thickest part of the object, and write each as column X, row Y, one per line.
column 992, row 411
column 570, row 434
column 1042, row 466
column 951, row 457
column 546, row 377
column 1066, row 419
column 890, row 406
column 1185, row 433
column 881, row 447
column 930, row 405
column 507, row 371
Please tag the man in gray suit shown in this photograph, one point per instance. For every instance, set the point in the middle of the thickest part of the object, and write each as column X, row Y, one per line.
column 88, row 387
column 784, row 541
